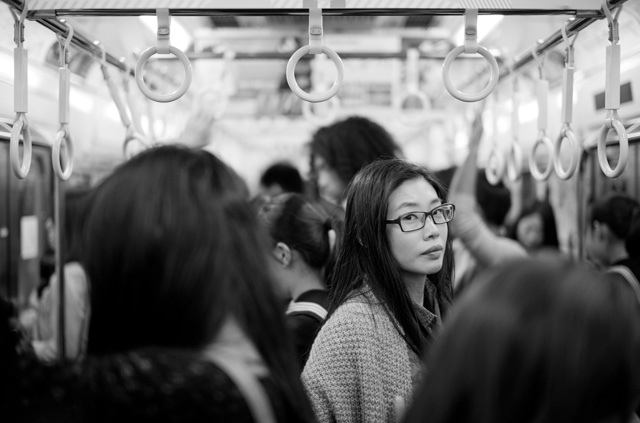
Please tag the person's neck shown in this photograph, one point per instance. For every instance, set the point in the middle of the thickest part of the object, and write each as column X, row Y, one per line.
column 415, row 285
column 617, row 253
column 306, row 280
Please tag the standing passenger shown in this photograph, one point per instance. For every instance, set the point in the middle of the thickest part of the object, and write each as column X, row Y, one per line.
column 339, row 150
column 185, row 325
column 46, row 332
column 303, row 242
column 391, row 285
column 536, row 340
column 608, row 229
column 535, row 228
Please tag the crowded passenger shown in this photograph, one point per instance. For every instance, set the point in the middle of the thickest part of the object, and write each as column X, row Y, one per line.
column 609, row 225
column 45, row 331
column 535, row 340
column 390, row 290
column 185, row 324
column 535, row 228
column 479, row 232
column 340, row 150
column 281, row 177
column 303, row 243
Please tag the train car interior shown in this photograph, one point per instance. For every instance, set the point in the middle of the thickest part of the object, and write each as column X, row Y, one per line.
column 86, row 85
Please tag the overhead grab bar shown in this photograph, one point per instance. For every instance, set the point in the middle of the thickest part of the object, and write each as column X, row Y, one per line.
column 130, row 133
column 470, row 47
column 542, row 139
column 64, row 89
column 315, row 46
column 612, row 100
column 20, row 101
column 412, row 90
column 164, row 47
column 567, row 112
column 514, row 157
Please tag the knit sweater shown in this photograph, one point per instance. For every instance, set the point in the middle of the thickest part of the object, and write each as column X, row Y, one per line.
column 359, row 364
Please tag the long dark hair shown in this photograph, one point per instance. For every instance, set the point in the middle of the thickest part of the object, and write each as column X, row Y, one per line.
column 172, row 249
column 365, row 255
column 295, row 220
column 535, row 340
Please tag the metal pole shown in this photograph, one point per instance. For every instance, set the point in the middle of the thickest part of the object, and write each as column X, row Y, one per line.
column 402, row 55
column 78, row 39
column 58, row 213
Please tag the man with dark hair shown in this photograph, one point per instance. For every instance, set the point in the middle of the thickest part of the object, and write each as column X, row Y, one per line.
column 281, row 177
column 339, row 150
column 610, row 221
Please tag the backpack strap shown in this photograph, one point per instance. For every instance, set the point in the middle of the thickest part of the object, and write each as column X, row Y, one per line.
column 308, row 307
column 628, row 275
column 247, row 382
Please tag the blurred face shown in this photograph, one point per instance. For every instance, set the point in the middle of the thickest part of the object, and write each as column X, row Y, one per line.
column 596, row 245
column 420, row 252
column 330, row 185
column 530, row 231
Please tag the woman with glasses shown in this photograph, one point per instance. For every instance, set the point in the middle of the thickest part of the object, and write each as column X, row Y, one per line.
column 390, row 288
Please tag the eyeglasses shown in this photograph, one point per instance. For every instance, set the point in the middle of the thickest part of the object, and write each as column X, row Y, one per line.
column 413, row 221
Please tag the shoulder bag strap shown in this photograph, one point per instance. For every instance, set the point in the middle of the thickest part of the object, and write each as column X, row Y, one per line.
column 248, row 384
column 628, row 275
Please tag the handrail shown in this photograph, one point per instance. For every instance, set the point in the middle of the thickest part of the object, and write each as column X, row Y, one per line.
column 64, row 89
column 470, row 47
column 164, row 47
column 315, row 46
column 573, row 27
column 567, row 112
column 20, row 102
column 612, row 101
column 542, row 139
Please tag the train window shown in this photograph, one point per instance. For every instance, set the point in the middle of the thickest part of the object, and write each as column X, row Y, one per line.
column 626, row 96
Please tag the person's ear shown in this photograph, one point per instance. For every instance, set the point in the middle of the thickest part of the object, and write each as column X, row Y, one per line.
column 282, row 253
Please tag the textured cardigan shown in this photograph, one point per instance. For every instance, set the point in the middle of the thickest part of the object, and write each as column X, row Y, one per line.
column 358, row 365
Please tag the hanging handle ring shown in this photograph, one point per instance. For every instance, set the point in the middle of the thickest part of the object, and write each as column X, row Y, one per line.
column 20, row 102
column 612, row 101
column 20, row 126
column 495, row 166
column 133, row 136
column 566, row 131
column 164, row 47
column 327, row 118
column 542, row 139
column 315, row 46
column 62, row 135
column 514, row 156
column 64, row 89
column 470, row 46
column 412, row 90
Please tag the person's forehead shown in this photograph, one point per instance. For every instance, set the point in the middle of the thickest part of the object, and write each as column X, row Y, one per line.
column 414, row 193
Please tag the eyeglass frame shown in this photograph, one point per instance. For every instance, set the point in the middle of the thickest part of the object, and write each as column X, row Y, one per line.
column 428, row 214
